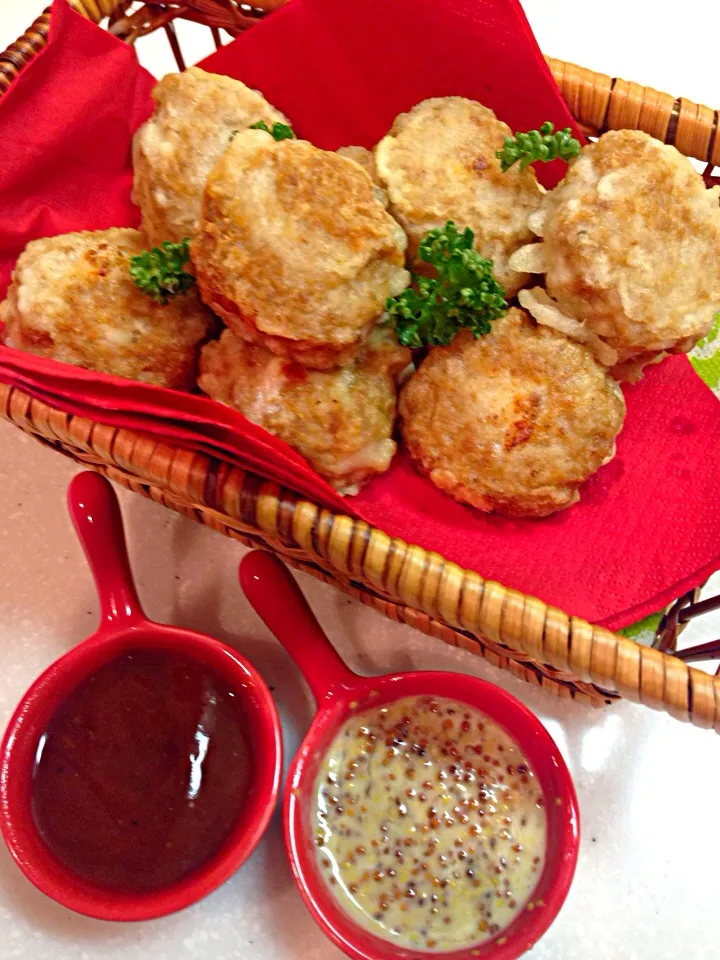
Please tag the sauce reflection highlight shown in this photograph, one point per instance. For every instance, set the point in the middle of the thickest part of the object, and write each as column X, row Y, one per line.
column 143, row 771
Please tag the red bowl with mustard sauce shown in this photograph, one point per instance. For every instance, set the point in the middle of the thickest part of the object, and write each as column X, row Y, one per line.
column 341, row 696
column 141, row 690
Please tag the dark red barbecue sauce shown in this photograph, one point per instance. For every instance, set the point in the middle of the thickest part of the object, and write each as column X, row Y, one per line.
column 143, row 772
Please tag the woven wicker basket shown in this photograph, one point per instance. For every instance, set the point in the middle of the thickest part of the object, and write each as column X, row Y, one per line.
column 540, row 644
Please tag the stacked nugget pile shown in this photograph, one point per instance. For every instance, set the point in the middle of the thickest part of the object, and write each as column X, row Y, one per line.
column 514, row 421
column 297, row 251
column 298, row 256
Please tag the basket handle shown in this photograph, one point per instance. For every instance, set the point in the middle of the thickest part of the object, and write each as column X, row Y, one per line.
column 96, row 516
column 281, row 604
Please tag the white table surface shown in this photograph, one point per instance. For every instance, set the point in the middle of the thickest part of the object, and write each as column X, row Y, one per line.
column 646, row 884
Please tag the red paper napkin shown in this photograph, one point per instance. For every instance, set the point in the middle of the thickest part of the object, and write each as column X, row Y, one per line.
column 648, row 526
column 192, row 421
column 67, row 124
column 342, row 71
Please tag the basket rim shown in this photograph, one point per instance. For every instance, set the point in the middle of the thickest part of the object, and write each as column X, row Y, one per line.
column 359, row 555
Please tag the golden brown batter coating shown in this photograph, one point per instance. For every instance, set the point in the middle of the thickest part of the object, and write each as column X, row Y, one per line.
column 513, row 422
column 367, row 161
column 294, row 250
column 175, row 150
column 631, row 240
column 340, row 420
column 72, row 298
column 438, row 163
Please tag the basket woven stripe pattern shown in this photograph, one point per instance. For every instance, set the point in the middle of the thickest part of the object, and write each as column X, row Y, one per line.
column 537, row 643
column 20, row 53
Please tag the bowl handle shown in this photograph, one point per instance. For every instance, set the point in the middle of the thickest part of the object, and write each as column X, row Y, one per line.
column 96, row 516
column 279, row 602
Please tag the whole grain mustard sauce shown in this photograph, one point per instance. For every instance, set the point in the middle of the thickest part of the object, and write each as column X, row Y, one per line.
column 429, row 823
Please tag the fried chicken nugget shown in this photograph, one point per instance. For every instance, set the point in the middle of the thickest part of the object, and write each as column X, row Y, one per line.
column 366, row 160
column 514, row 421
column 72, row 298
column 340, row 420
column 174, row 151
column 294, row 250
column 630, row 251
column 438, row 163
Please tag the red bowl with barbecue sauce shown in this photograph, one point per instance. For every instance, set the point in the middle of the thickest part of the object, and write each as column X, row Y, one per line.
column 141, row 769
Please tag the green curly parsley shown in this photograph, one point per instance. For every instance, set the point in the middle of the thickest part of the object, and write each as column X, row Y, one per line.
column 280, row 131
column 159, row 272
column 464, row 294
column 540, row 144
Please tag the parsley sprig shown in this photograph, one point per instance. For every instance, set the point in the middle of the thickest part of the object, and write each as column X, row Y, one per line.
column 464, row 294
column 280, row 131
column 159, row 272
column 540, row 144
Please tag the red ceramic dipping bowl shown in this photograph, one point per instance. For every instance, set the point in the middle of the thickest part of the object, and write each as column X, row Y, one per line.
column 340, row 694
column 123, row 627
